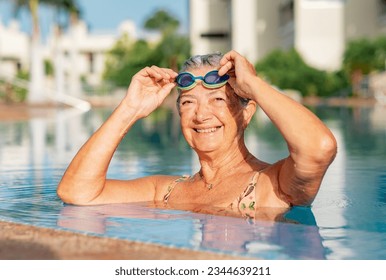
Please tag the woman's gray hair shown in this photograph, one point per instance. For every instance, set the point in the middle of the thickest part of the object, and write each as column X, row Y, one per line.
column 198, row 61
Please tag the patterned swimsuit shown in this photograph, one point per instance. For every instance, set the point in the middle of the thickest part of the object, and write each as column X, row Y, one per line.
column 245, row 204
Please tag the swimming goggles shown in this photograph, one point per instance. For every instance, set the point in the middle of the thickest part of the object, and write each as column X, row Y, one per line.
column 186, row 81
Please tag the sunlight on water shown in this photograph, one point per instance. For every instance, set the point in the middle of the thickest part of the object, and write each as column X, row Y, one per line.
column 346, row 220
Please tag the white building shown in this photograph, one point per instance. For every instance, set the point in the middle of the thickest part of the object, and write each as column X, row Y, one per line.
column 318, row 29
column 83, row 52
column 323, row 28
column 14, row 49
column 77, row 54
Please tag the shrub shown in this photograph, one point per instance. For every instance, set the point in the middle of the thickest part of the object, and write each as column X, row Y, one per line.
column 287, row 70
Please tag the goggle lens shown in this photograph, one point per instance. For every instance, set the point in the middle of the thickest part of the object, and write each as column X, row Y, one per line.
column 213, row 78
column 186, row 80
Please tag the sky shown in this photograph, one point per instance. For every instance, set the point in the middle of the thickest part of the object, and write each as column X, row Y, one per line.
column 106, row 15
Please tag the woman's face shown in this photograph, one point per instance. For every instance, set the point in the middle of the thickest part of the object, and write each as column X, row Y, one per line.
column 211, row 119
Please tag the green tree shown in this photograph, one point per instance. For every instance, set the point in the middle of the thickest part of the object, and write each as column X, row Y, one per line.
column 68, row 8
column 359, row 56
column 363, row 56
column 162, row 21
column 287, row 70
column 380, row 53
column 173, row 48
column 127, row 57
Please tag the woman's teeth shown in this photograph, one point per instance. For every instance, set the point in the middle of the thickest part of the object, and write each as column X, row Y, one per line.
column 207, row 130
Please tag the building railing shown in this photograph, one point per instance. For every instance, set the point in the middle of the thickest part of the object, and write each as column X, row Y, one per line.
column 51, row 94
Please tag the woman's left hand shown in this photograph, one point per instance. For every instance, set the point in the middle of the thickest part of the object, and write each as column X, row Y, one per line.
column 241, row 73
column 148, row 89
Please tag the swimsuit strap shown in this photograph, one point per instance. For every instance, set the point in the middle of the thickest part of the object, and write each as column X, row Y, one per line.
column 172, row 185
column 251, row 187
column 246, row 202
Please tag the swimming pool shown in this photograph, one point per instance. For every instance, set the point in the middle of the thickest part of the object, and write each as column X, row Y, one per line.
column 346, row 221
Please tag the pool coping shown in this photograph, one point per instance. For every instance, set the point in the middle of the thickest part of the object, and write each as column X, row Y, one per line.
column 26, row 242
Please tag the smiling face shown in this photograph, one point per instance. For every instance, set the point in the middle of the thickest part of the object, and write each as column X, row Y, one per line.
column 211, row 119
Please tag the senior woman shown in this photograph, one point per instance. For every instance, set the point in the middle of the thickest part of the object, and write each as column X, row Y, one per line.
column 218, row 96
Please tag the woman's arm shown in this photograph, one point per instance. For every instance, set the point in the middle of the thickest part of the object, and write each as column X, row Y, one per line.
column 84, row 181
column 311, row 144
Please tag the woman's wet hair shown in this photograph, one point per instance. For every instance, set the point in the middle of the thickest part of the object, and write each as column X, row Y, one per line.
column 199, row 61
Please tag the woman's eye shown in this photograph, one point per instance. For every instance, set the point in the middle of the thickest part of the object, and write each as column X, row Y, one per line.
column 185, row 102
column 219, row 99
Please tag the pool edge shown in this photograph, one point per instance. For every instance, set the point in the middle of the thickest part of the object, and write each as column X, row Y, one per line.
column 26, row 242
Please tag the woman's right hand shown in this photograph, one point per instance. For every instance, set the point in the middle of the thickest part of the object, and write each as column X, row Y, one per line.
column 241, row 72
column 148, row 89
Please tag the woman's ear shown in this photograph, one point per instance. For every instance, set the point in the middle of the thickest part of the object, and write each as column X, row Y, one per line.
column 248, row 112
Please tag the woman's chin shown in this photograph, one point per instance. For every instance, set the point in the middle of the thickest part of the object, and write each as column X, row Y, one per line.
column 206, row 148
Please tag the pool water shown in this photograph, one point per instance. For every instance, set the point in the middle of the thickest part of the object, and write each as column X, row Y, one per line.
column 346, row 221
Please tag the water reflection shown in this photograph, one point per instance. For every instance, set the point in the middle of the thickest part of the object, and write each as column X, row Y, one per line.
column 350, row 207
column 295, row 236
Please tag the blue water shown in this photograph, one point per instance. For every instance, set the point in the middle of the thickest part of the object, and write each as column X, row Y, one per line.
column 347, row 219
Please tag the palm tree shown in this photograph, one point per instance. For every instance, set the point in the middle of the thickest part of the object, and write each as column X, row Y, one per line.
column 36, row 89
column 36, row 92
column 172, row 50
column 69, row 8
column 71, row 12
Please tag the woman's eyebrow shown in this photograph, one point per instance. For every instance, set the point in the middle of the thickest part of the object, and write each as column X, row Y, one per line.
column 187, row 96
column 217, row 92
column 209, row 93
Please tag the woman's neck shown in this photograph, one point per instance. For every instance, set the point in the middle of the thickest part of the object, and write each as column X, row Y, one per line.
column 214, row 167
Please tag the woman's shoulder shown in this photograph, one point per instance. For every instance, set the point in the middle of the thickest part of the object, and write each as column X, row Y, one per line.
column 259, row 166
column 164, row 182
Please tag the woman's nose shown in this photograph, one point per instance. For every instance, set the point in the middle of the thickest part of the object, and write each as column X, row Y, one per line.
column 203, row 111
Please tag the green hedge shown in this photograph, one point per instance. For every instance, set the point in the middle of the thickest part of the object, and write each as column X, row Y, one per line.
column 287, row 70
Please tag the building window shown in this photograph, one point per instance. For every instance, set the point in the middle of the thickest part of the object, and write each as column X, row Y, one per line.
column 382, row 8
column 286, row 13
column 342, row 1
column 215, row 35
column 91, row 62
column 18, row 66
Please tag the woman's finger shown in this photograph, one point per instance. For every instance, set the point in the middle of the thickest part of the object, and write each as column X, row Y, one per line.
column 225, row 68
column 169, row 71
column 165, row 90
column 159, row 74
column 172, row 74
column 229, row 56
